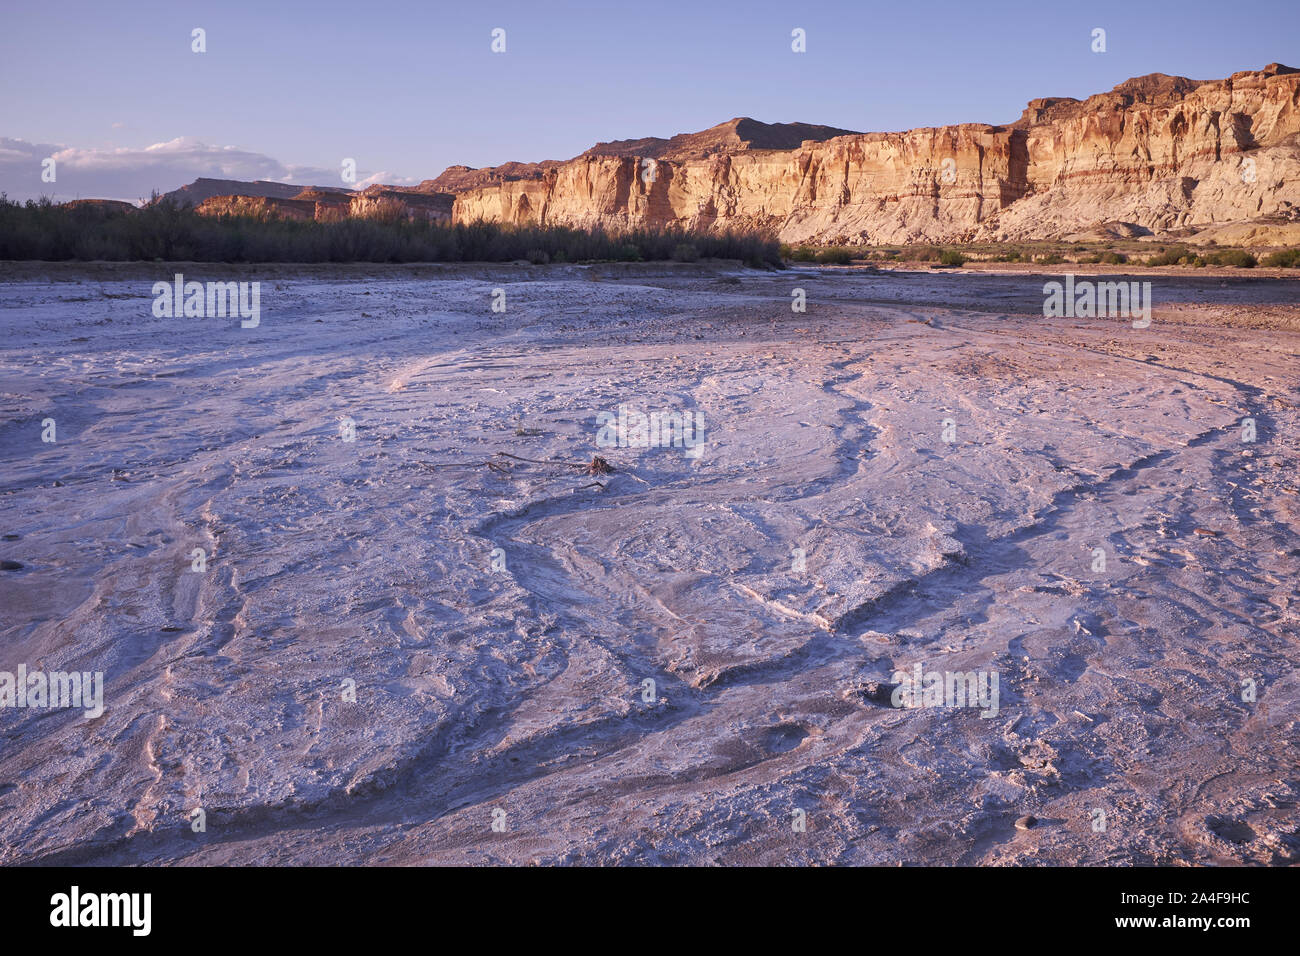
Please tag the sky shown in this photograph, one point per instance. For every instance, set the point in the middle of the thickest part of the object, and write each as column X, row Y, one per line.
column 287, row 91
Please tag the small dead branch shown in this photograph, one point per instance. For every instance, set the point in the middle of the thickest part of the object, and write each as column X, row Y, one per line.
column 599, row 466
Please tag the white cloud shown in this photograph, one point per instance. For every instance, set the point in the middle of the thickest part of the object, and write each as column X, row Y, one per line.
column 132, row 174
column 388, row 179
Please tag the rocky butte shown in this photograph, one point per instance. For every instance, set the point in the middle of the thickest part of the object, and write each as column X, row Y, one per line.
column 1156, row 155
column 325, row 204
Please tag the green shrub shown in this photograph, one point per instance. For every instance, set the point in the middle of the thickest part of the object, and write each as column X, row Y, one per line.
column 951, row 258
column 834, row 256
column 538, row 257
column 1233, row 257
column 1283, row 258
column 1171, row 257
column 685, row 252
column 1114, row 258
column 1051, row 259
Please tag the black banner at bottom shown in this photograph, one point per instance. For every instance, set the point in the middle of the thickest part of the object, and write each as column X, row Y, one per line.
column 336, row 906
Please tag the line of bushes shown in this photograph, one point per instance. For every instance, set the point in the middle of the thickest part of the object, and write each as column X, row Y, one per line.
column 831, row 255
column 169, row 232
column 1182, row 256
column 843, row 256
column 939, row 256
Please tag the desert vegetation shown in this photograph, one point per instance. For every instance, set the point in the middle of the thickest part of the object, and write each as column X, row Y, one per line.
column 1047, row 253
column 1284, row 259
column 167, row 231
column 827, row 255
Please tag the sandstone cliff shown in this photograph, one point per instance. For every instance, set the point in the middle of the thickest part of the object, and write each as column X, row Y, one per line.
column 1157, row 153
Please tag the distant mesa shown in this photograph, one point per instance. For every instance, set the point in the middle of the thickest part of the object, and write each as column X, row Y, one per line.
column 216, row 197
column 107, row 207
column 204, row 188
column 1156, row 156
column 735, row 135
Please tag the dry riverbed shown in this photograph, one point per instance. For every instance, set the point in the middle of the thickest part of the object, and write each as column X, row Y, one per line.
column 443, row 642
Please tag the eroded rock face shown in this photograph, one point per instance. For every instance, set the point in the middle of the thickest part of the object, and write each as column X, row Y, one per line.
column 1158, row 153
column 261, row 206
column 403, row 203
column 326, row 205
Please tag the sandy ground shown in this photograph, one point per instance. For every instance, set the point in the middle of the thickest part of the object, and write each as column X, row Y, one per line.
column 500, row 617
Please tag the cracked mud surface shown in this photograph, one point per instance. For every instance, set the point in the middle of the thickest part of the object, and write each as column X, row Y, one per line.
column 522, row 689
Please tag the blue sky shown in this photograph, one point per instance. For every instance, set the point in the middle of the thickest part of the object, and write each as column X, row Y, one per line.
column 287, row 90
